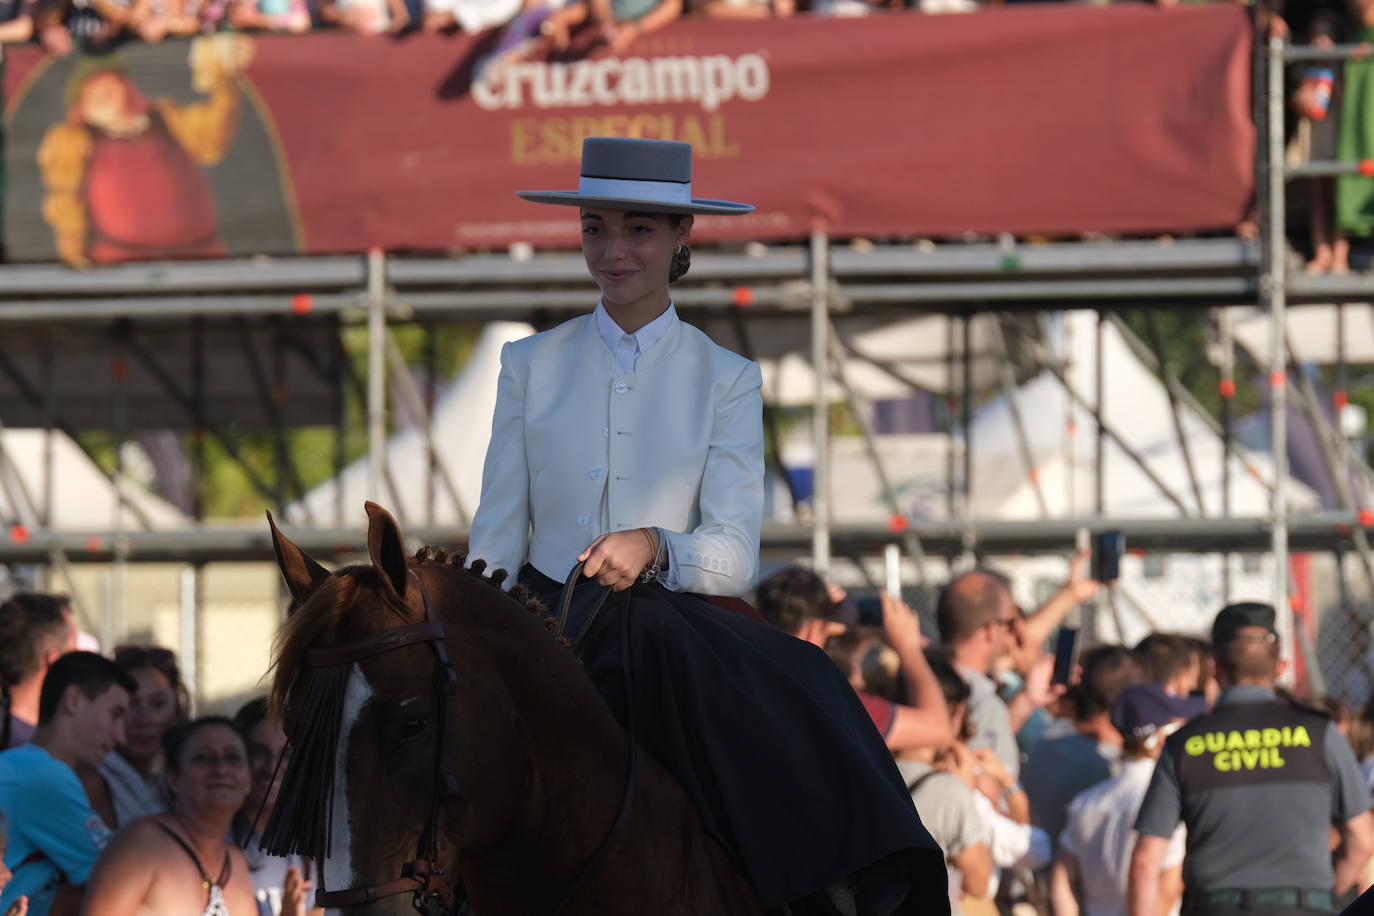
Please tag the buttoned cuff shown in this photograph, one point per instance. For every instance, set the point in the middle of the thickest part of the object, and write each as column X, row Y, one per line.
column 668, row 577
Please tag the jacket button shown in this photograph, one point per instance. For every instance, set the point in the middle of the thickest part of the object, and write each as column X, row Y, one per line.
column 583, row 520
column 606, row 431
column 621, row 388
column 595, row 473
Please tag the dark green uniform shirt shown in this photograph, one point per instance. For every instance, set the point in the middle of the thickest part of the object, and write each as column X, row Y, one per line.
column 1258, row 782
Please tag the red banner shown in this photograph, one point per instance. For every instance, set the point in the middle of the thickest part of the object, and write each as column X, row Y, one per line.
column 1050, row 119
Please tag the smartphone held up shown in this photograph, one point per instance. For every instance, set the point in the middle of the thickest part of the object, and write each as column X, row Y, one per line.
column 1107, row 548
column 868, row 611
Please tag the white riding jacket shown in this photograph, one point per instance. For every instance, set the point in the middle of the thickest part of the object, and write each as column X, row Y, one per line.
column 577, row 451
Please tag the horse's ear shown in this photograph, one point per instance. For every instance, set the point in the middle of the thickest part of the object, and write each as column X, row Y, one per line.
column 387, row 549
column 301, row 573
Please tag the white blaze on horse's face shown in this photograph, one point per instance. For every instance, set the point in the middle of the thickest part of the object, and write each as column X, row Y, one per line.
column 338, row 867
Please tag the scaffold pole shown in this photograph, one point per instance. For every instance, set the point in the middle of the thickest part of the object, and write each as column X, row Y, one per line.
column 820, row 411
column 376, row 372
column 1273, row 289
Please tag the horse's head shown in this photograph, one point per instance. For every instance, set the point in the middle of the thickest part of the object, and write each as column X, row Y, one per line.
column 368, row 698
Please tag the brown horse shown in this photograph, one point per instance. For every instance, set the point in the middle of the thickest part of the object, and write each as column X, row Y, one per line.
column 438, row 729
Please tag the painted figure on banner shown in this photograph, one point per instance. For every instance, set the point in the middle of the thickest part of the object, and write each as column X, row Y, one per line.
column 124, row 174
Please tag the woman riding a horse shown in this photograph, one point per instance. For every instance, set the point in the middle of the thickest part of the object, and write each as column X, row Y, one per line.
column 628, row 447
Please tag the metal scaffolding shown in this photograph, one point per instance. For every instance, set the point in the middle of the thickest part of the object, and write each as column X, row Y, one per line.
column 286, row 300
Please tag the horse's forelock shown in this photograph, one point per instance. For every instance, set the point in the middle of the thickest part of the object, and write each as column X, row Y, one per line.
column 305, row 629
column 309, row 700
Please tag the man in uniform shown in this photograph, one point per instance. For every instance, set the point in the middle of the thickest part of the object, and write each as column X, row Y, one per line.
column 1259, row 783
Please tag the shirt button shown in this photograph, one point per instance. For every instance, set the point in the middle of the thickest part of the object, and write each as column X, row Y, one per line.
column 583, row 519
column 621, row 388
column 595, row 473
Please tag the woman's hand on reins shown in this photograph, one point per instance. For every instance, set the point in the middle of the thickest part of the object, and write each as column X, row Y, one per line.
column 617, row 559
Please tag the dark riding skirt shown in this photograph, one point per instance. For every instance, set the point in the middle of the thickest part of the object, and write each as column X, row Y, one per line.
column 770, row 742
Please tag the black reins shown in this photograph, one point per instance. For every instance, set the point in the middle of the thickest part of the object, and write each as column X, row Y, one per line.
column 622, row 816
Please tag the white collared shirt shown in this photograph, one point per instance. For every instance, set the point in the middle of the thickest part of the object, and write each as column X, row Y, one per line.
column 627, row 348
column 1100, row 833
column 625, row 352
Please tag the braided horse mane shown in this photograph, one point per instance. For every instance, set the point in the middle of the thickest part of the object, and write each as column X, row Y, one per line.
column 315, row 622
column 309, row 699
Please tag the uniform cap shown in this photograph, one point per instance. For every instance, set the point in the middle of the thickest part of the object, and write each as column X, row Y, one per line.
column 1235, row 617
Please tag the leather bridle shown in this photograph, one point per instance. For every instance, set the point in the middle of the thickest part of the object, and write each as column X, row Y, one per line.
column 424, row 876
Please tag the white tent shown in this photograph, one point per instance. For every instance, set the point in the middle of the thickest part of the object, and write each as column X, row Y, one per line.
column 461, row 426
column 1061, row 441
column 886, row 356
column 83, row 498
column 1136, row 407
column 1318, row 333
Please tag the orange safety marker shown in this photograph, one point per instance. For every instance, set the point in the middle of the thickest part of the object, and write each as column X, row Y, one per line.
column 302, row 303
column 1227, row 388
column 1367, row 167
column 742, row 296
column 93, row 543
column 1033, row 476
column 1278, row 379
column 896, row 522
column 1296, row 602
column 1367, row 518
column 1341, row 399
column 19, row 534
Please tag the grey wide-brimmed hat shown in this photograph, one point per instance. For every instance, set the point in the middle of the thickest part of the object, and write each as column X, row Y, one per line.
column 619, row 173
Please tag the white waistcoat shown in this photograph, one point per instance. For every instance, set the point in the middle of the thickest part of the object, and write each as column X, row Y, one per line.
column 577, row 451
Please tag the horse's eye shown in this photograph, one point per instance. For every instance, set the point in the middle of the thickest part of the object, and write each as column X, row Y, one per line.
column 412, row 730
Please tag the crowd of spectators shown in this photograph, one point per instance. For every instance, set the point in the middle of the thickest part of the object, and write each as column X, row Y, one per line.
column 113, row 799
column 524, row 28
column 1031, row 788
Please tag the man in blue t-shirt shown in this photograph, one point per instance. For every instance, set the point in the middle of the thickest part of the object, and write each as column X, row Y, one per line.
column 54, row 836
